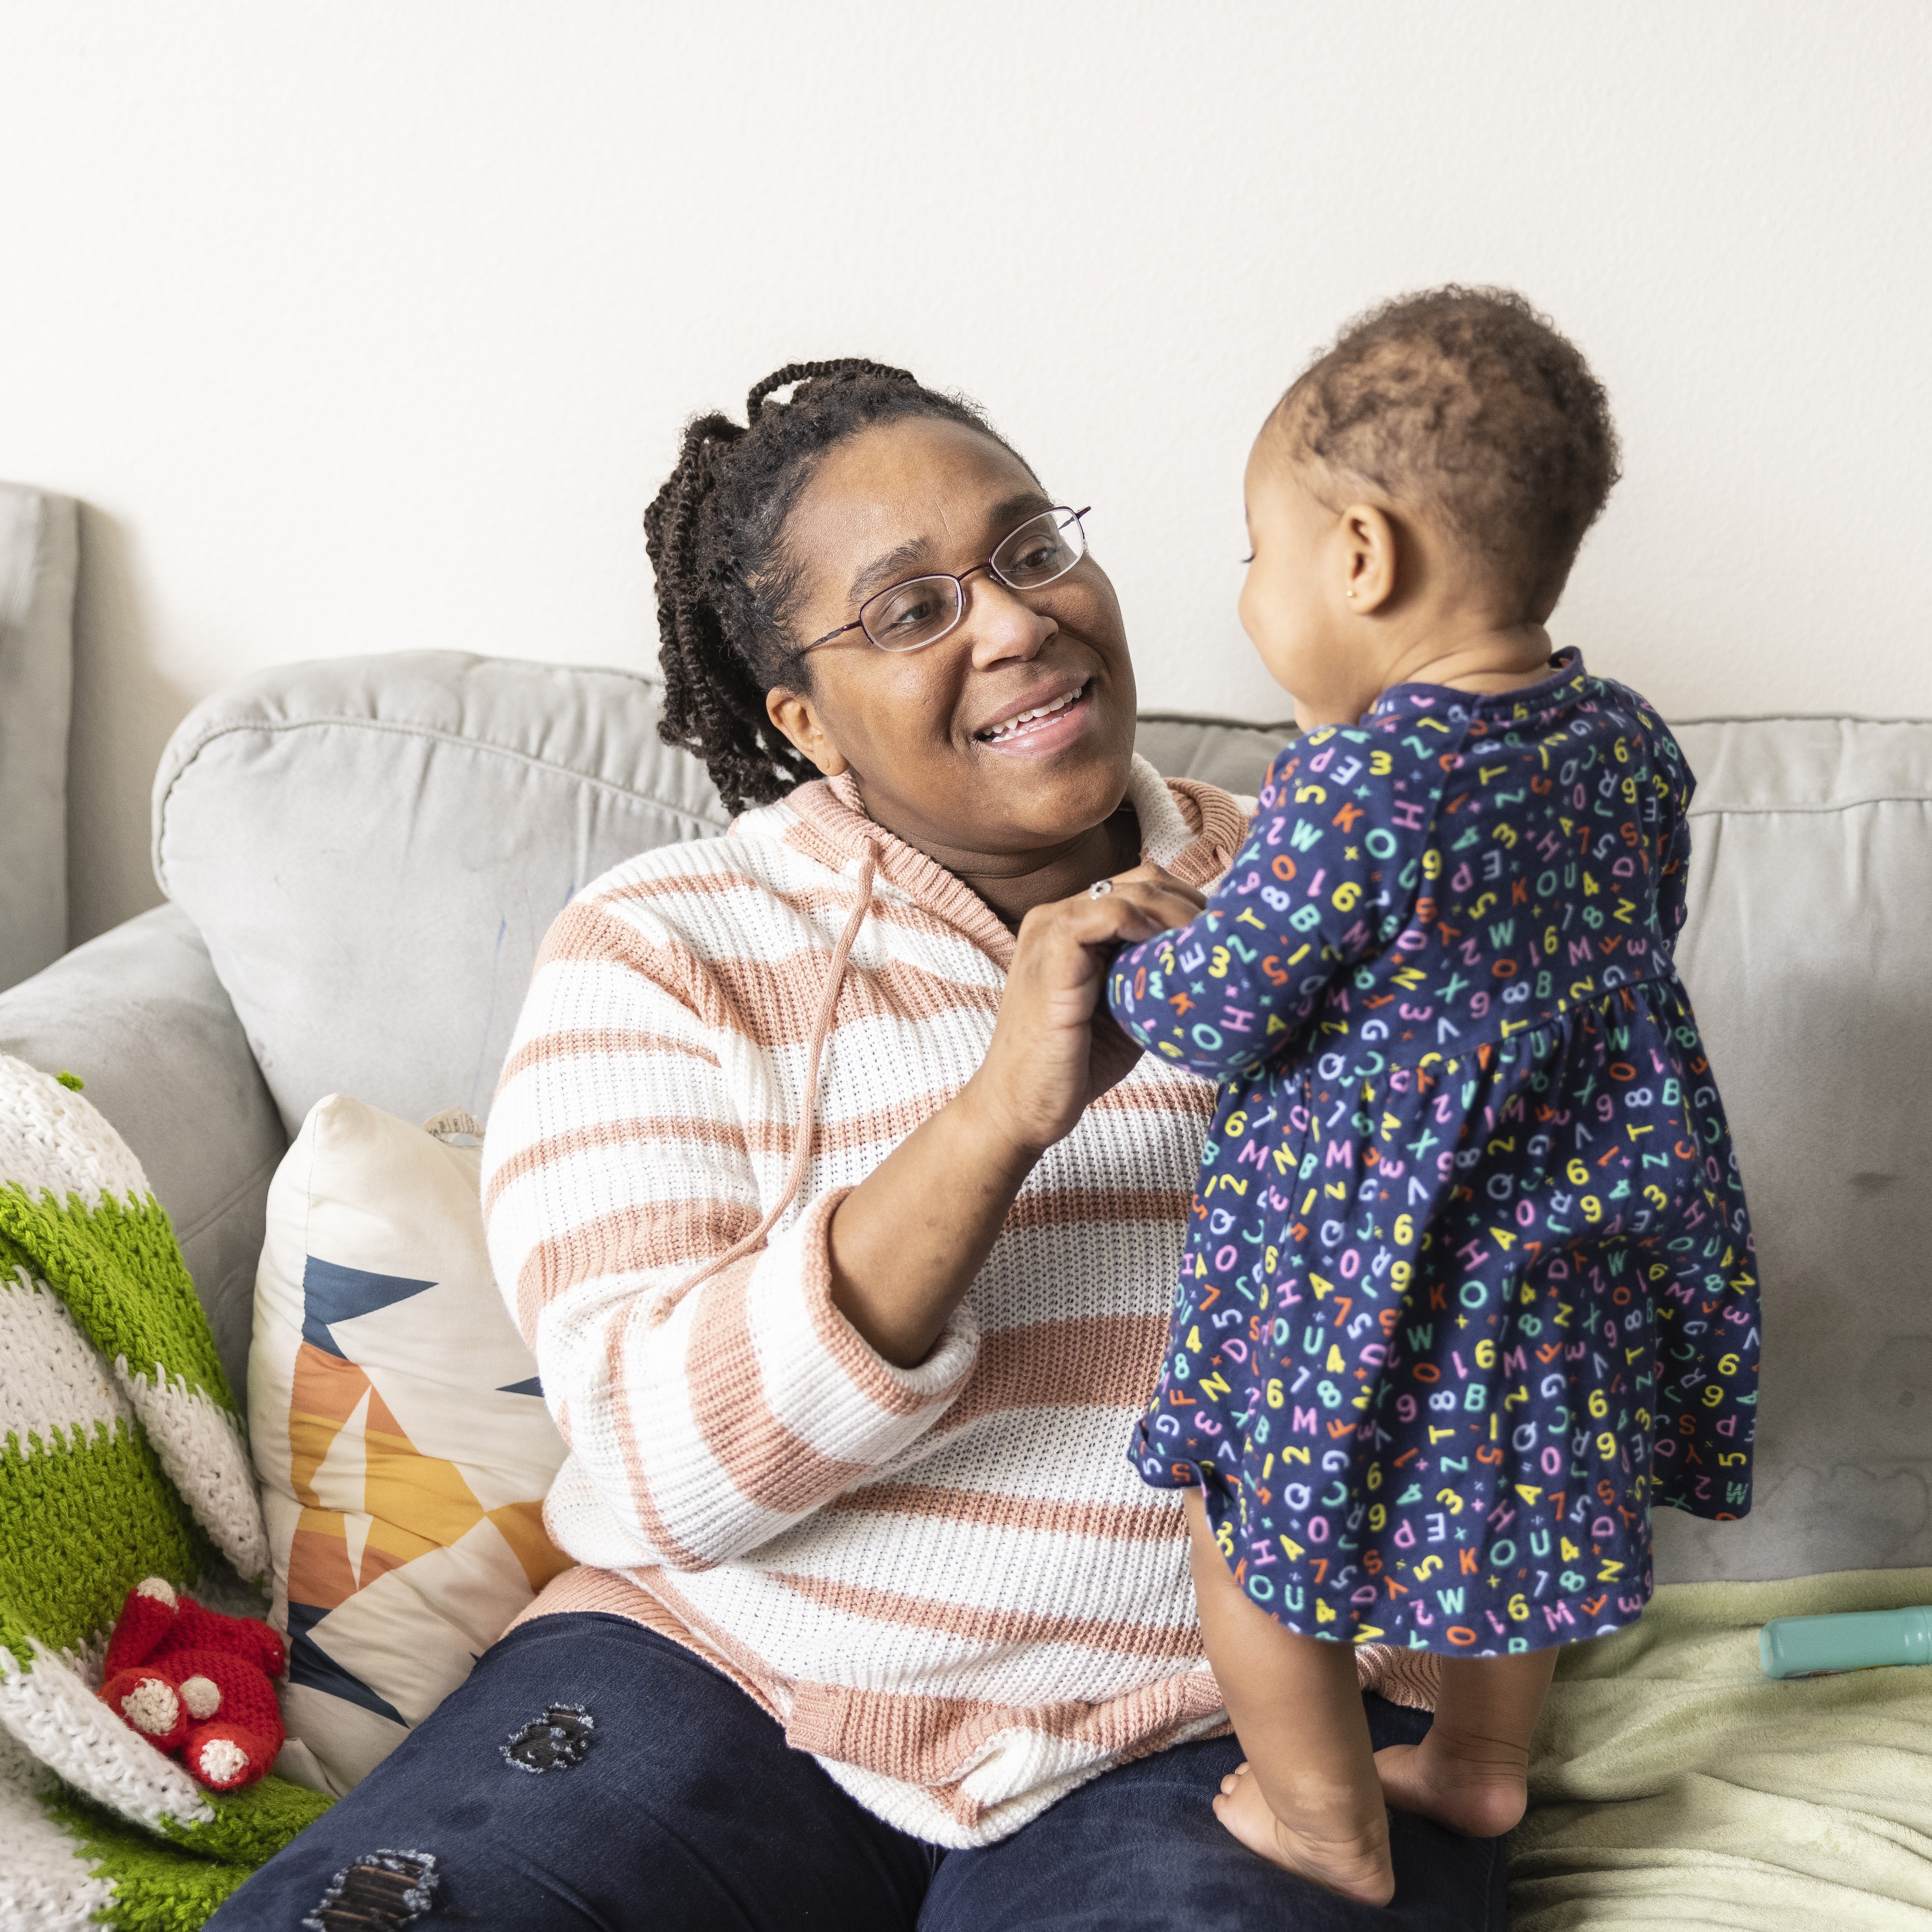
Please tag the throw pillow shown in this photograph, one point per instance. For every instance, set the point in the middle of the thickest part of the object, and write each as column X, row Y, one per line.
column 398, row 1426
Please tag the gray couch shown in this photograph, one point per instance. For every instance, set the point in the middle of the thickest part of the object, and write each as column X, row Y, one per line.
column 39, row 565
column 361, row 857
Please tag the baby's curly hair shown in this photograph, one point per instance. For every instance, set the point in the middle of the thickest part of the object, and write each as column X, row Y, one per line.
column 1467, row 403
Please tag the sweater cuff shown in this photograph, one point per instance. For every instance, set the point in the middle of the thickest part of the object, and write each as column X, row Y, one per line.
column 790, row 1400
column 927, row 1385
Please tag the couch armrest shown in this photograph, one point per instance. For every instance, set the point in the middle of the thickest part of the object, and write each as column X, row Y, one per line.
column 139, row 1014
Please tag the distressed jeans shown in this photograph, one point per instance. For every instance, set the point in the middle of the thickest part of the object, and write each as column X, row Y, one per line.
column 681, row 1807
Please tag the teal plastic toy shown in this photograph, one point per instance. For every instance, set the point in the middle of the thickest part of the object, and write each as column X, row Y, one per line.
column 1858, row 1640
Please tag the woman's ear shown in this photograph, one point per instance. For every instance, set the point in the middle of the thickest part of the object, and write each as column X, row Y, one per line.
column 1370, row 563
column 797, row 717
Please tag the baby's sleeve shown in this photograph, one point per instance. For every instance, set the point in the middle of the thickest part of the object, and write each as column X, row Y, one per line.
column 1316, row 888
column 1675, row 783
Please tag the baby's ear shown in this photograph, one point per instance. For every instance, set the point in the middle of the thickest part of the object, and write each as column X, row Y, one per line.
column 1373, row 557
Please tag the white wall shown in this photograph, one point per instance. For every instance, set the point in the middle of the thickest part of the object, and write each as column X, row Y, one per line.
column 359, row 328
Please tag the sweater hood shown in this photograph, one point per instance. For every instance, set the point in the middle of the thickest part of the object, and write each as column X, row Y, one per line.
column 1192, row 829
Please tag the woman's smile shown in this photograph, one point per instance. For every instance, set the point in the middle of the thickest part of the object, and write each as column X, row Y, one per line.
column 1034, row 726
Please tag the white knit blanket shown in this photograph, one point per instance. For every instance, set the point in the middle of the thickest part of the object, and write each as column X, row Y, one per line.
column 121, row 1456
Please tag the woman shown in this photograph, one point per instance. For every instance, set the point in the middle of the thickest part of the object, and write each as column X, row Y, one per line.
column 845, row 1235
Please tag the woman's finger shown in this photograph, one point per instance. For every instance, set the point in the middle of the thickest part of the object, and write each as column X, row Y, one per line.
column 1135, row 909
column 1145, row 880
column 1141, row 877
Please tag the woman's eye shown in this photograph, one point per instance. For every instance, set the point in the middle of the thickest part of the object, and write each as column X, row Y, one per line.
column 909, row 610
column 1249, row 558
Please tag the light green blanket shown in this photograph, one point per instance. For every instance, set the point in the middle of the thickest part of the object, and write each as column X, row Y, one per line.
column 1672, row 1784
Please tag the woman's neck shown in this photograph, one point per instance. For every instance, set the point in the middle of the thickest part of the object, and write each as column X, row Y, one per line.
column 1013, row 883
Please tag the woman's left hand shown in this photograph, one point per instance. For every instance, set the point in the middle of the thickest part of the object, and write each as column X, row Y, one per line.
column 1056, row 1049
column 906, row 1242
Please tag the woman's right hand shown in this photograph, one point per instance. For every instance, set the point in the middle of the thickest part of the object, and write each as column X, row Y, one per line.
column 1055, row 1049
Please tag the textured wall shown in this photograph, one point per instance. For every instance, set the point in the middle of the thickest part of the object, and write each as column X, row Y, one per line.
column 363, row 327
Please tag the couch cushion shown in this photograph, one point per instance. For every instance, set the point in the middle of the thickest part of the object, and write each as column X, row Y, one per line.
column 374, row 848
column 1219, row 750
column 139, row 1014
column 1810, row 918
column 38, row 558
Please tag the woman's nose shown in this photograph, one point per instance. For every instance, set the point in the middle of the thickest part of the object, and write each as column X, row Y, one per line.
column 1002, row 625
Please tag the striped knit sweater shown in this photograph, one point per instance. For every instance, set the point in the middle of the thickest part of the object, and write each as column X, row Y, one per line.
column 947, row 1583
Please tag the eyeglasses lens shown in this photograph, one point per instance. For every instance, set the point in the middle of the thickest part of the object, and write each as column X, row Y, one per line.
column 909, row 615
column 918, row 612
column 1039, row 551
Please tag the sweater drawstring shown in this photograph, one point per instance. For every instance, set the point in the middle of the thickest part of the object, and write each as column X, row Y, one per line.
column 806, row 1132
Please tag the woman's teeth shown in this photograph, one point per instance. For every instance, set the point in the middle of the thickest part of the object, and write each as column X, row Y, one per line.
column 1029, row 721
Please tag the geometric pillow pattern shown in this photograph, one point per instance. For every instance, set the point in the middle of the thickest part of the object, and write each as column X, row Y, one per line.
column 400, row 1432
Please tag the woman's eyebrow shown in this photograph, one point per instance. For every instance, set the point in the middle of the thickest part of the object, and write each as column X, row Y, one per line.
column 887, row 569
column 884, row 570
column 1005, row 515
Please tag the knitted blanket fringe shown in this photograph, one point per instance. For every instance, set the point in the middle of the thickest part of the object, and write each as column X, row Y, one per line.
column 121, row 1456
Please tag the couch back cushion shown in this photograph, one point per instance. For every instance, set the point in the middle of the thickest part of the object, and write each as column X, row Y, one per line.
column 373, row 848
column 1810, row 922
column 39, row 556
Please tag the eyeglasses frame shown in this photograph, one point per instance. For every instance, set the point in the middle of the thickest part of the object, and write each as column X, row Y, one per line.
column 959, row 582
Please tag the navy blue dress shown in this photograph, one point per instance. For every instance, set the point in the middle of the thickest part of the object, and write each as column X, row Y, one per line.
column 1469, row 1281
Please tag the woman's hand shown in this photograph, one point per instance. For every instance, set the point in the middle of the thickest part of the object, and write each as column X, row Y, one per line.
column 906, row 1242
column 1055, row 1049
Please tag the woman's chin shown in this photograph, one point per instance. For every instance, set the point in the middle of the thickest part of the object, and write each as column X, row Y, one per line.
column 1047, row 800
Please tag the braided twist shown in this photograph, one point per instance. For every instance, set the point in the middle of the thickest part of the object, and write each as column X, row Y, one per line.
column 725, row 588
column 806, row 372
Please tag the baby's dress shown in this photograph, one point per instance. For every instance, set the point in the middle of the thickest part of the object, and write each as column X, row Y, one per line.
column 1468, row 1283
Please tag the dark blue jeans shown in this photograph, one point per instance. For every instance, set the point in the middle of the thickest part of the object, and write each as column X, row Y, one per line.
column 685, row 1809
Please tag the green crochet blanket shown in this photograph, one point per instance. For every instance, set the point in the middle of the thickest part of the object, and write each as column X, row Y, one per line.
column 121, row 1457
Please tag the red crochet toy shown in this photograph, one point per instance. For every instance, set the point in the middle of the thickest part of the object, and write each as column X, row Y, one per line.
column 192, row 1680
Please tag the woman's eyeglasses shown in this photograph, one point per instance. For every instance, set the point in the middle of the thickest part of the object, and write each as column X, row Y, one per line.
column 920, row 611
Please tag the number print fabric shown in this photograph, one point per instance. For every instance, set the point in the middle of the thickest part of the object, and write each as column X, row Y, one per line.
column 1468, row 1281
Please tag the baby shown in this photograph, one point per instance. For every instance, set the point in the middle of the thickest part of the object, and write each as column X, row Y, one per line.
column 1468, row 1285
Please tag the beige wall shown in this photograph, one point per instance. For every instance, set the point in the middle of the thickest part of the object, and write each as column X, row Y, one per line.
column 359, row 328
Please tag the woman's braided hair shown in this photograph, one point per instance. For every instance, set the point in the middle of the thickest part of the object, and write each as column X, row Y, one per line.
column 714, row 533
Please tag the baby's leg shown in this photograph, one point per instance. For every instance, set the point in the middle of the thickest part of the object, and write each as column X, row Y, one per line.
column 1308, row 1798
column 1471, row 1771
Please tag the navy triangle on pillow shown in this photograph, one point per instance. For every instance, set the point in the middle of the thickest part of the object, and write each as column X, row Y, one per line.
column 332, row 1293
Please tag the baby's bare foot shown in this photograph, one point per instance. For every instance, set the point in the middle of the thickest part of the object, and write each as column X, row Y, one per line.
column 1354, row 1863
column 1473, row 1786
